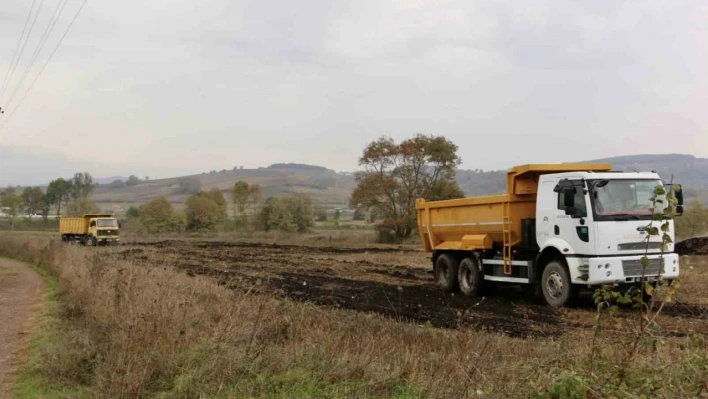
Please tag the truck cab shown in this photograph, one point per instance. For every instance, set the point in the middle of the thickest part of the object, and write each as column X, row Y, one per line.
column 104, row 230
column 597, row 222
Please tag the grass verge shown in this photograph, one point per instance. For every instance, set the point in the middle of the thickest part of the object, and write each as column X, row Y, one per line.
column 32, row 380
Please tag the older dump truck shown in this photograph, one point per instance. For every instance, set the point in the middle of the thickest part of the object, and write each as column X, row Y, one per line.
column 90, row 230
column 557, row 229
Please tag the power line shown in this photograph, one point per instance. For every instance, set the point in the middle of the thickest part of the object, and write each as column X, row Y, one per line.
column 22, row 50
column 66, row 32
column 42, row 41
column 17, row 48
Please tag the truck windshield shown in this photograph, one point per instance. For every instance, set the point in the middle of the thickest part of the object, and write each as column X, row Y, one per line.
column 107, row 223
column 631, row 199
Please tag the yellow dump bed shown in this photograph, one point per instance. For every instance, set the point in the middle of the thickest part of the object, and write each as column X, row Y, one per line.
column 74, row 225
column 492, row 221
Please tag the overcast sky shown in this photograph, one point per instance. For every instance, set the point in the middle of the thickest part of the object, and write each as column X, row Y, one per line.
column 164, row 88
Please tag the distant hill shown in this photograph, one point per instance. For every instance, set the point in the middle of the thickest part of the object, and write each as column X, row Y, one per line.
column 332, row 189
column 325, row 186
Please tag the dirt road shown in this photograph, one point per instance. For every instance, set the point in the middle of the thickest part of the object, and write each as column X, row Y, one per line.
column 21, row 290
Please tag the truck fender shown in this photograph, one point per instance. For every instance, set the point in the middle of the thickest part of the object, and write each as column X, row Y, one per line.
column 554, row 249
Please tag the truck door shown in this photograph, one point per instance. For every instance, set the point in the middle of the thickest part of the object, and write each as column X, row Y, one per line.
column 572, row 221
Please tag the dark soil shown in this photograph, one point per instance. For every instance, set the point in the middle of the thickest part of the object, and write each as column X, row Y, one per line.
column 327, row 277
column 692, row 246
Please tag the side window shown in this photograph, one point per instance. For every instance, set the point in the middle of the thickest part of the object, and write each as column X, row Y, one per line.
column 93, row 224
column 580, row 207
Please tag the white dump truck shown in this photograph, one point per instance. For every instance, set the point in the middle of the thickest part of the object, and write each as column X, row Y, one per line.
column 558, row 228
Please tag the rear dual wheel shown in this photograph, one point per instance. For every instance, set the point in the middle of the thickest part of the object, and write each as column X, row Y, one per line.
column 446, row 270
column 470, row 277
column 452, row 274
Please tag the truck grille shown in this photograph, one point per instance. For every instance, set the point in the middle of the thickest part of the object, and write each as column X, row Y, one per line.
column 633, row 268
column 638, row 246
column 108, row 233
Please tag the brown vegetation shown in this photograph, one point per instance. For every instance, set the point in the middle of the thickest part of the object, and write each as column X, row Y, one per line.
column 144, row 323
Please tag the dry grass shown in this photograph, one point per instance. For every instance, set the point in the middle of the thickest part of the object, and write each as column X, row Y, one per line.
column 155, row 332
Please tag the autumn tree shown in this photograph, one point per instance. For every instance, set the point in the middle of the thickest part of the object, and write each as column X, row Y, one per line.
column 394, row 175
column 12, row 204
column 59, row 193
column 206, row 210
column 32, row 197
column 158, row 216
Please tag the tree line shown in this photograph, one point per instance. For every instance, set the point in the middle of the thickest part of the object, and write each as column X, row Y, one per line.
column 68, row 194
column 207, row 210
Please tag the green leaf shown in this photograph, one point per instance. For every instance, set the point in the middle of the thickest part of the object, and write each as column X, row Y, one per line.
column 665, row 227
column 649, row 288
column 644, row 261
column 653, row 231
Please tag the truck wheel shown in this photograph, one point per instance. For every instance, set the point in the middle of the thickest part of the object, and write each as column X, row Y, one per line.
column 446, row 272
column 556, row 285
column 470, row 278
column 90, row 242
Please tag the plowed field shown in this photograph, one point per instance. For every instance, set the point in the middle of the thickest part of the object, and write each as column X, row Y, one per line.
column 395, row 283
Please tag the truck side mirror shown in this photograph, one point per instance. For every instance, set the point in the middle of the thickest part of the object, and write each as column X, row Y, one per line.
column 679, row 196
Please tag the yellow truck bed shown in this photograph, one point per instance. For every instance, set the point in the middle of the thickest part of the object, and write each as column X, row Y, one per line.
column 77, row 226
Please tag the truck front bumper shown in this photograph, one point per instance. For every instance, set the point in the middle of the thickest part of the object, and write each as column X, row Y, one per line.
column 628, row 269
column 109, row 240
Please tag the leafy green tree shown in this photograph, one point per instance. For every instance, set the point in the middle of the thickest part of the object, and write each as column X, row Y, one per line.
column 82, row 206
column 158, row 216
column 395, row 175
column 133, row 212
column 59, row 193
column 188, row 185
column 81, row 185
column 45, row 207
column 275, row 215
column 240, row 193
column 206, row 211
column 289, row 214
column 13, row 204
column 32, row 197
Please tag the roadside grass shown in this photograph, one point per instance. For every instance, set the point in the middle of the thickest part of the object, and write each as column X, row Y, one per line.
column 129, row 331
column 32, row 380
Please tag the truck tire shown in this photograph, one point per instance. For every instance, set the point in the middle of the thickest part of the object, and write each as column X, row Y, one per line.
column 446, row 269
column 90, row 242
column 470, row 278
column 556, row 286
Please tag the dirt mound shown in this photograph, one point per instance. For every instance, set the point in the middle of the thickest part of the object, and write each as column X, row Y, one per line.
column 692, row 246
